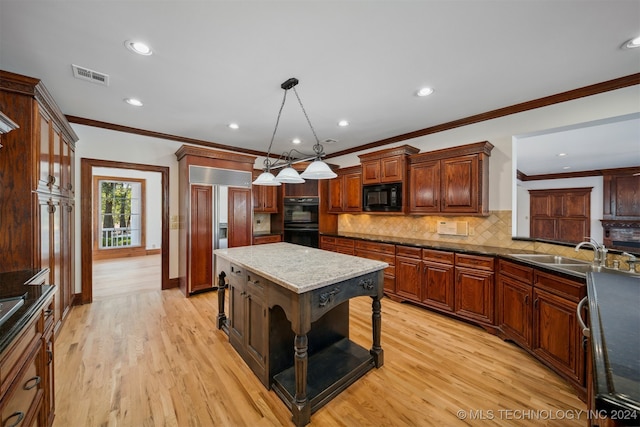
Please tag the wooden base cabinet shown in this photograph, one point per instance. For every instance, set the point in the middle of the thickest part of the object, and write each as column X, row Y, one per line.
column 474, row 289
column 537, row 310
column 409, row 273
column 438, row 284
column 384, row 252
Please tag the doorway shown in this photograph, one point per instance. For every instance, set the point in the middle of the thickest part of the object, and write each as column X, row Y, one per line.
column 86, row 219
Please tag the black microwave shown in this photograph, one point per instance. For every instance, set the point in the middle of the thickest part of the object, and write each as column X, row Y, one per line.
column 382, row 198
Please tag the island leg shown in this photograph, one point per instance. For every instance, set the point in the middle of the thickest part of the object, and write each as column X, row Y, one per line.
column 301, row 409
column 376, row 320
column 222, row 317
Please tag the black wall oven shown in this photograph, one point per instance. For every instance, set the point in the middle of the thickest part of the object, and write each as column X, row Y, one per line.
column 301, row 221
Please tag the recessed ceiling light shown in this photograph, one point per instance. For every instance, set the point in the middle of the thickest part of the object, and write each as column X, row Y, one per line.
column 138, row 47
column 425, row 91
column 234, row 126
column 566, row 167
column 133, row 101
column 343, row 123
column 561, row 154
column 632, row 43
column 296, row 140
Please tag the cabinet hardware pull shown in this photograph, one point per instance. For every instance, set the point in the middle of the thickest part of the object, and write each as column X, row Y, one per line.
column 51, row 181
column 367, row 284
column 50, row 356
column 535, row 303
column 18, row 414
column 325, row 298
column 526, row 300
column 34, row 383
column 586, row 332
column 48, row 312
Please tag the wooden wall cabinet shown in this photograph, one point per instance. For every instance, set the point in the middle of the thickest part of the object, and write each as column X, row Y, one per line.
column 265, row 197
column 537, row 310
column 560, row 214
column 450, row 181
column 345, row 191
column 386, row 166
column 36, row 210
column 196, row 203
column 621, row 219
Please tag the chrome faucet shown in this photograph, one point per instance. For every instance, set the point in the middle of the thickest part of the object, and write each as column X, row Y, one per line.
column 599, row 251
column 632, row 261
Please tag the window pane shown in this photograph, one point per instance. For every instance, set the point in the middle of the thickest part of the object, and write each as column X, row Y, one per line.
column 120, row 214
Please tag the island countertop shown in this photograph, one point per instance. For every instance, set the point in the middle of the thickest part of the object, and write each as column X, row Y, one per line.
column 299, row 268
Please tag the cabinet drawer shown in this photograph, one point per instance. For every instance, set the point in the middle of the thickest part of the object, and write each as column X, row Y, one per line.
column 408, row 251
column 569, row 289
column 475, row 261
column 17, row 405
column 326, row 240
column 345, row 243
column 12, row 359
column 438, row 256
column 260, row 240
column 386, row 248
column 256, row 285
column 377, row 256
column 517, row 271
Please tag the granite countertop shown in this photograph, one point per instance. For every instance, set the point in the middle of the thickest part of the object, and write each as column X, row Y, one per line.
column 15, row 284
column 614, row 322
column 299, row 268
column 432, row 244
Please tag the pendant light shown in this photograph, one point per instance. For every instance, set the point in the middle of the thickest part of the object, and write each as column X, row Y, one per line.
column 317, row 169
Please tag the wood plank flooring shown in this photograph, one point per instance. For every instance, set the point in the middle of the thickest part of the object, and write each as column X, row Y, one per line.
column 130, row 275
column 155, row 358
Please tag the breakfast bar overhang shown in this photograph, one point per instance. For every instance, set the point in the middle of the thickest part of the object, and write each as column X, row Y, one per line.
column 289, row 319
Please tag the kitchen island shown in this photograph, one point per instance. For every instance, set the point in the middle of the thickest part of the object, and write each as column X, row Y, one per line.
column 289, row 319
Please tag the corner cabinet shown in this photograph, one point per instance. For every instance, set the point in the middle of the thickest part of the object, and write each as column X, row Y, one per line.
column 450, row 181
column 265, row 197
column 537, row 310
column 345, row 191
column 37, row 209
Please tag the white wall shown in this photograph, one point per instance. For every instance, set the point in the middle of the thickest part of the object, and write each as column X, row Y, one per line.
column 117, row 146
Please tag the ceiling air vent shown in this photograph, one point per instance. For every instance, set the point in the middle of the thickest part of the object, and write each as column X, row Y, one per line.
column 83, row 73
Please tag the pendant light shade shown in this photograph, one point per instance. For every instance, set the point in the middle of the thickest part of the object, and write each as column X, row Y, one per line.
column 266, row 178
column 318, row 170
column 289, row 175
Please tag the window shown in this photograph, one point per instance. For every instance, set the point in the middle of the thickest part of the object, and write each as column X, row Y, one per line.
column 119, row 220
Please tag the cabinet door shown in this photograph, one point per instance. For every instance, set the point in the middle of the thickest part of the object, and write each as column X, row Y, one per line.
column 543, row 228
column 45, row 131
column 237, row 318
column 352, row 199
column 626, row 197
column 514, row 310
column 256, row 324
column 240, row 233
column 371, row 172
column 424, row 187
column 56, row 160
column 556, row 334
column 460, row 182
column 201, row 238
column 474, row 294
column 408, row 278
column 336, row 194
column 438, row 287
column 309, row 188
column 67, row 256
column 48, row 378
column 392, row 169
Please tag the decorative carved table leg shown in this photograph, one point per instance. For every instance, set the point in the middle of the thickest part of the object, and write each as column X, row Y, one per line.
column 376, row 320
column 222, row 317
column 301, row 409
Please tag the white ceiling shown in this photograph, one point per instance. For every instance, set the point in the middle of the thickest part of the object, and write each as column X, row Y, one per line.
column 217, row 62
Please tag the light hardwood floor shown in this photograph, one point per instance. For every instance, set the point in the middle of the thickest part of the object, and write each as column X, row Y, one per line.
column 155, row 358
column 119, row 276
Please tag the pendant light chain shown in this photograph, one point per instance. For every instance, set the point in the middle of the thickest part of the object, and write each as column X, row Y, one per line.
column 318, row 150
column 267, row 162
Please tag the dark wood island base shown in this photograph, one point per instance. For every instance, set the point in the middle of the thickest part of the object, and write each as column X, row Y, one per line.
column 298, row 342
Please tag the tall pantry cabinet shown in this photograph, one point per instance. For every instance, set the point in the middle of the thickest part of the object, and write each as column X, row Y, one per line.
column 36, row 187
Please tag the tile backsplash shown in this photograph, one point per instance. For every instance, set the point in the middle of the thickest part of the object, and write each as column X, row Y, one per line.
column 493, row 230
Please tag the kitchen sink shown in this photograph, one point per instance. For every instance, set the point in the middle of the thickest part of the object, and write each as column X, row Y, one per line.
column 586, row 268
column 550, row 259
